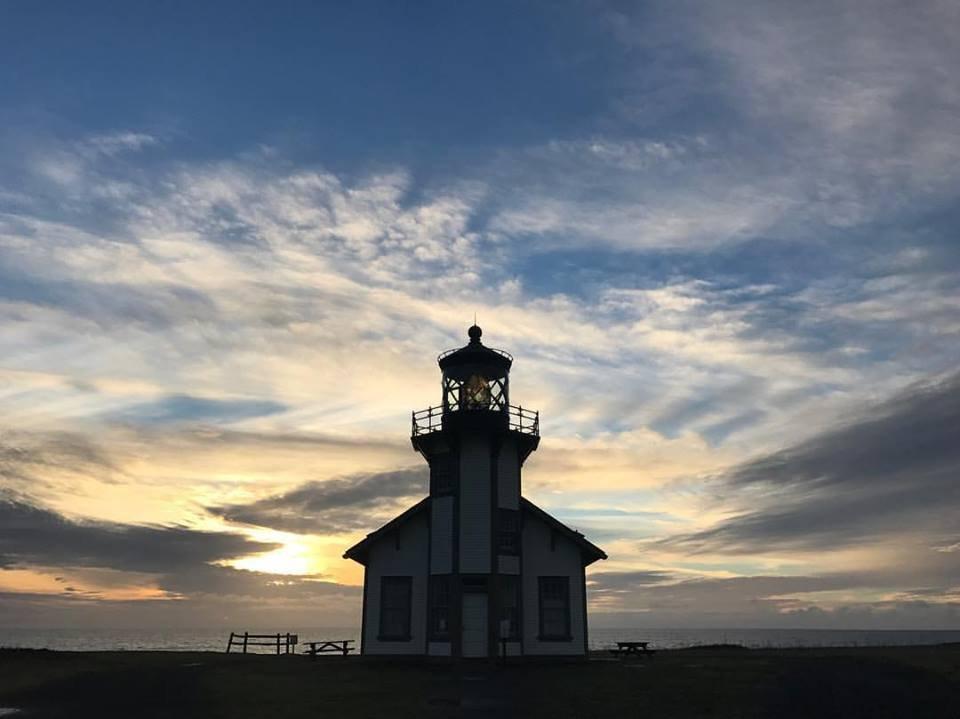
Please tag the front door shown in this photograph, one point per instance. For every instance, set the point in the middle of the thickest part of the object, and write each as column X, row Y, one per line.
column 474, row 625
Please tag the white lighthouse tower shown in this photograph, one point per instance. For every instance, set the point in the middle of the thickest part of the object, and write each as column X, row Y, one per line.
column 474, row 569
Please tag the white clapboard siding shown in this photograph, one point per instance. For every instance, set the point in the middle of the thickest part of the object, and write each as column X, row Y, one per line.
column 539, row 560
column 408, row 558
column 475, row 506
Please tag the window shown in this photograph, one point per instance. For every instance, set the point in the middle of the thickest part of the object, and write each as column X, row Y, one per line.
column 555, row 608
column 508, row 531
column 439, row 613
column 475, row 393
column 395, row 608
column 442, row 474
column 509, row 606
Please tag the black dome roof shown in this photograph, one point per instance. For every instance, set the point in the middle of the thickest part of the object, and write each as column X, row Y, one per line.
column 475, row 358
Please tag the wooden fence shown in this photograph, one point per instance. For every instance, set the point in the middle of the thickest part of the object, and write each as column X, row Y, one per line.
column 285, row 641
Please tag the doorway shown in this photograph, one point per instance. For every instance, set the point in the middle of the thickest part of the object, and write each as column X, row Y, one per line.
column 474, row 624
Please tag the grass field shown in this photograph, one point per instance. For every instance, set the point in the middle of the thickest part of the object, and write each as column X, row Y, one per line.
column 859, row 682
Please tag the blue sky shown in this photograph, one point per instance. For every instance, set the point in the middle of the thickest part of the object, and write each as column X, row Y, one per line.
column 717, row 238
column 450, row 79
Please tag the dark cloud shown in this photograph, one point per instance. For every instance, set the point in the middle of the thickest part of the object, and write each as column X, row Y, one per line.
column 31, row 535
column 913, row 434
column 334, row 505
column 891, row 471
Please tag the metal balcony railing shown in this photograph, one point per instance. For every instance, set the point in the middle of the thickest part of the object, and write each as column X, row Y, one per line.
column 525, row 421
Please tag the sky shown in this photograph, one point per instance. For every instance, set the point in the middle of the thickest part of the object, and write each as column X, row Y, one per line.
column 720, row 239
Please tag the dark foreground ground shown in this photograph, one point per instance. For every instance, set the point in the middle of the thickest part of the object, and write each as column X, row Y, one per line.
column 861, row 682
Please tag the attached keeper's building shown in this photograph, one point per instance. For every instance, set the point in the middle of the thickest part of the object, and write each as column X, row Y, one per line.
column 474, row 567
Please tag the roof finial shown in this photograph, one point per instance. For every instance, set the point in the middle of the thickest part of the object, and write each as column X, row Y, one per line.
column 474, row 332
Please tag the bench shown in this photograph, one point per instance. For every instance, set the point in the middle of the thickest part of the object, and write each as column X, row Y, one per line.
column 285, row 641
column 632, row 649
column 333, row 646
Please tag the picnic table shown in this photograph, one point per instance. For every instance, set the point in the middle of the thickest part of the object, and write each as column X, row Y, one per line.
column 631, row 649
column 328, row 646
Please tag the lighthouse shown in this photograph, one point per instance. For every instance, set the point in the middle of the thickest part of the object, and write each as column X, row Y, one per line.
column 474, row 569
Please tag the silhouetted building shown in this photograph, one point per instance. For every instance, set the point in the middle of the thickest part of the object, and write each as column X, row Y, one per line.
column 475, row 563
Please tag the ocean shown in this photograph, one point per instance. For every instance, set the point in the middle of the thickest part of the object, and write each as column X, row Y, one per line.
column 215, row 640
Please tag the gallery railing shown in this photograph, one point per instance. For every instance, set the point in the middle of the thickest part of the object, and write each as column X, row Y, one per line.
column 525, row 421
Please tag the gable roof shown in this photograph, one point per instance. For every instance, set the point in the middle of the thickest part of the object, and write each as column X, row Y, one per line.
column 359, row 550
column 590, row 551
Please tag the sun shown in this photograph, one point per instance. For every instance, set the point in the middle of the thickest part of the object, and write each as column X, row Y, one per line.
column 294, row 556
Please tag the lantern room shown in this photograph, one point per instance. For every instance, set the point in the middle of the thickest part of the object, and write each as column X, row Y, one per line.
column 475, row 387
column 475, row 376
